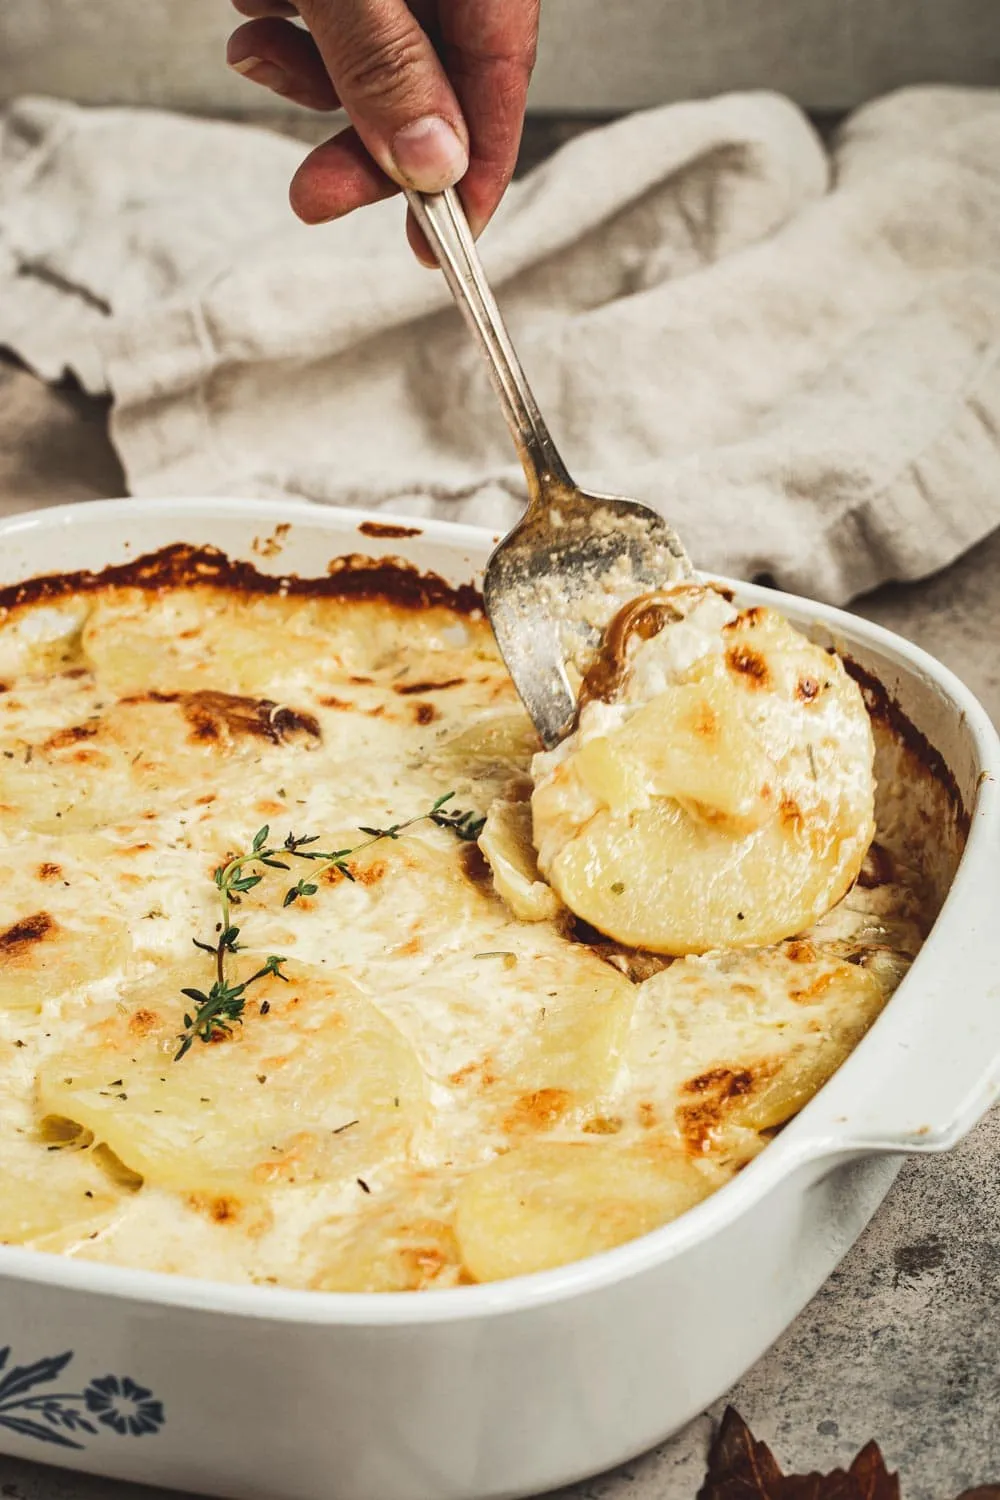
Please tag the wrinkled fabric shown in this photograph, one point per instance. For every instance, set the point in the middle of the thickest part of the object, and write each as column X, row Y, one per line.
column 793, row 354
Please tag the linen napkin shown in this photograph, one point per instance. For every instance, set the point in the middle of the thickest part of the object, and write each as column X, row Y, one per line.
column 793, row 354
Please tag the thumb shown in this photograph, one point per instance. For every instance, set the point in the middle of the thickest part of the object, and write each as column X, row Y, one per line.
column 393, row 86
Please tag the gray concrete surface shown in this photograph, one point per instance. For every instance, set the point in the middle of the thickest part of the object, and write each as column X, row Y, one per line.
column 902, row 1342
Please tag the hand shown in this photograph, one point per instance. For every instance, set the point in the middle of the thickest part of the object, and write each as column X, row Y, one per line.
column 435, row 90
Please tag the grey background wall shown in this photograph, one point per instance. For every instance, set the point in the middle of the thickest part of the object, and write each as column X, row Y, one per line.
column 595, row 54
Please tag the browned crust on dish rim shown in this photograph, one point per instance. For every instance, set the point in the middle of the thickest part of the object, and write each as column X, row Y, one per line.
column 884, row 709
column 384, row 529
column 398, row 582
column 354, row 576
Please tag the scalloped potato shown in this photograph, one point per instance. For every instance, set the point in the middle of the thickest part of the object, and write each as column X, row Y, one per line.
column 321, row 1084
column 724, row 797
column 551, row 1017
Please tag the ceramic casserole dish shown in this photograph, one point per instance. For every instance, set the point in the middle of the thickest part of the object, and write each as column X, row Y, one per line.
column 515, row 1387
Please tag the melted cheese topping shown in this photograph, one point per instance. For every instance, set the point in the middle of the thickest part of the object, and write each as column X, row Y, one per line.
column 447, row 1086
column 724, row 797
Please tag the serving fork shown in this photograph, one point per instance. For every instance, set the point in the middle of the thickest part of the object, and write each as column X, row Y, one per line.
column 575, row 556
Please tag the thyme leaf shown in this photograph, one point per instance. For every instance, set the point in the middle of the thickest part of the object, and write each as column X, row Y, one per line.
column 465, row 825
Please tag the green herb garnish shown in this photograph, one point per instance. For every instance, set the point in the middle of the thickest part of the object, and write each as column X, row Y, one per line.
column 222, row 1007
column 338, row 859
column 465, row 825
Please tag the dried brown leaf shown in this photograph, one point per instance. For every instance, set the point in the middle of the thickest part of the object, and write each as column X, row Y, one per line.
column 738, row 1466
column 741, row 1468
column 873, row 1479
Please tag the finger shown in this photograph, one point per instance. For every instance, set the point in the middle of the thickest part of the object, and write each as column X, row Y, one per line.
column 255, row 8
column 489, row 53
column 391, row 82
column 337, row 178
column 418, row 242
column 283, row 58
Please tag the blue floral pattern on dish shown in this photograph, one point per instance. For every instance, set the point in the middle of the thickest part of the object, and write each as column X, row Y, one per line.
column 62, row 1417
column 123, row 1405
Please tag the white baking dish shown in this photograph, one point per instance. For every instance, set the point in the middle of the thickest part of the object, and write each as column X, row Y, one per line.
column 516, row 1387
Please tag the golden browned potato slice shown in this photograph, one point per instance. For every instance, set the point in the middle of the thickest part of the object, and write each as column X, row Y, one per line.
column 142, row 755
column 696, row 744
column 738, row 1043
column 409, row 896
column 557, row 1052
column 185, row 640
column 402, row 1242
column 577, row 1038
column 550, row 1203
column 731, row 808
column 41, row 957
column 318, row 1088
column 852, row 997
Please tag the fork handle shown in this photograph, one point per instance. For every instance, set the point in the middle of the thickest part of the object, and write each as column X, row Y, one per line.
column 442, row 219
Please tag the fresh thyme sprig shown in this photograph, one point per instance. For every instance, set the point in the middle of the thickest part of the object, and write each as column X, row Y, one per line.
column 337, row 860
column 222, row 1008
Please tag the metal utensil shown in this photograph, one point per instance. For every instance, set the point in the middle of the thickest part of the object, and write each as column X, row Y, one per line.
column 574, row 557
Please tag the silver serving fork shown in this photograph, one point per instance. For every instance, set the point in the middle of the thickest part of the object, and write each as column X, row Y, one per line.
column 574, row 557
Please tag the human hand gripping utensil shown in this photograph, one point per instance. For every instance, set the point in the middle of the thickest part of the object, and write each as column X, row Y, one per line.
column 574, row 557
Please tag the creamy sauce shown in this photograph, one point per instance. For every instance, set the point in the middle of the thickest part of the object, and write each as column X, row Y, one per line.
column 125, row 780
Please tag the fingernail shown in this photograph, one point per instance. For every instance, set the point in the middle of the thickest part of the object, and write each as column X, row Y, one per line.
column 429, row 155
column 267, row 74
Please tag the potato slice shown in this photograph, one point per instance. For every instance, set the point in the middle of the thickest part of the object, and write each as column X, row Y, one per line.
column 662, row 881
column 553, row 1032
column 732, row 809
column 412, row 894
column 143, row 755
column 740, row 1042
column 186, row 640
column 51, row 1199
column 506, row 844
column 42, row 958
column 577, row 1039
column 697, row 745
column 549, row 1203
column 855, row 998
column 138, row 643
column 181, row 640
column 318, row 1088
column 62, row 793
column 42, row 639
column 559, row 1053
column 496, row 747
column 404, row 1242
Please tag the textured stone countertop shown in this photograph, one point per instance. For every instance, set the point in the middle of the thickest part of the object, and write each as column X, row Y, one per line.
column 901, row 1343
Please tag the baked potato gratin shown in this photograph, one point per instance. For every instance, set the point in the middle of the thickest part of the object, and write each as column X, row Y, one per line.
column 286, row 996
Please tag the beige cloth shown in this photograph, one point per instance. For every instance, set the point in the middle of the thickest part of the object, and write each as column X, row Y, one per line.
column 796, row 358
